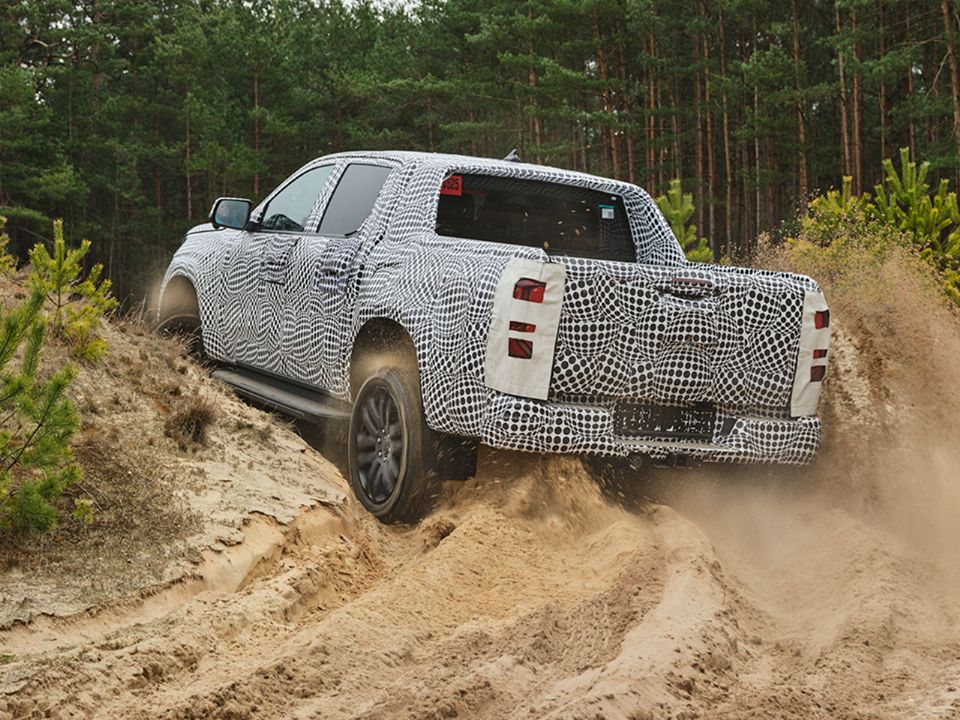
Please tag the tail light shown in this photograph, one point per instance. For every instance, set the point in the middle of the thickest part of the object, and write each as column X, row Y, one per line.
column 817, row 372
column 529, row 290
column 522, row 349
column 819, row 354
column 821, row 319
column 522, row 327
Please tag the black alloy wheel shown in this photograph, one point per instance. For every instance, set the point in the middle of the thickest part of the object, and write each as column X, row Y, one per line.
column 381, row 450
column 390, row 450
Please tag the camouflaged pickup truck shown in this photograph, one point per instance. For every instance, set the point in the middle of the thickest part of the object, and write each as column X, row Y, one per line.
column 436, row 302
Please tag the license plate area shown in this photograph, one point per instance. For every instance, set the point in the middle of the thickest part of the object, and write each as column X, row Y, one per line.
column 691, row 422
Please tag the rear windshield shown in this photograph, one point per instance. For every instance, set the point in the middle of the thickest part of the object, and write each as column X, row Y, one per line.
column 561, row 219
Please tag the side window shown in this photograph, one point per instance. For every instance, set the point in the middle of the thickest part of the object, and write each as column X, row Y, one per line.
column 288, row 210
column 353, row 199
column 561, row 219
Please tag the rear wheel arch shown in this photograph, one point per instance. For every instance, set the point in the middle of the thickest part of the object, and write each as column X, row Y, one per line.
column 381, row 342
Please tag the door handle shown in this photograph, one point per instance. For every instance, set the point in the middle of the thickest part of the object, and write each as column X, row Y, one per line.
column 688, row 287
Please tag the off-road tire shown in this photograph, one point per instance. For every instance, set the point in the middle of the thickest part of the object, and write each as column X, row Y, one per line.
column 387, row 415
column 184, row 322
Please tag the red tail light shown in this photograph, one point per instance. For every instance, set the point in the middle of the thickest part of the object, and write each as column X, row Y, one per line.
column 522, row 327
column 522, row 349
column 818, row 354
column 529, row 290
column 817, row 372
column 821, row 319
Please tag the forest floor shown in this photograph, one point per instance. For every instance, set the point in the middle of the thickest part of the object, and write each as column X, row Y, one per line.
column 239, row 580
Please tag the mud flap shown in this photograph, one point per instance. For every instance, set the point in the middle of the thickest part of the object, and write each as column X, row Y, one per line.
column 523, row 328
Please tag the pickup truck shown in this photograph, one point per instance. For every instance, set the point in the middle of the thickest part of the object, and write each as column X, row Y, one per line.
column 439, row 301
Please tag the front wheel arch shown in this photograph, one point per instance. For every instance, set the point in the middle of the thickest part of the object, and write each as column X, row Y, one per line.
column 179, row 313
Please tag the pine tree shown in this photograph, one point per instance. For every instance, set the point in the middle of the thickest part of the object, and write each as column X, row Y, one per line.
column 78, row 301
column 677, row 207
column 37, row 422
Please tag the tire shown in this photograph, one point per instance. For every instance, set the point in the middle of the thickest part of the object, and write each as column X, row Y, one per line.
column 391, row 449
column 186, row 323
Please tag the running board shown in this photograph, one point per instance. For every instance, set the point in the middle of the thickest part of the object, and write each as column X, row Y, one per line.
column 300, row 402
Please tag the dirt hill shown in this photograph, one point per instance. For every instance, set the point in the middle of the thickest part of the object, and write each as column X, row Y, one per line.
column 230, row 581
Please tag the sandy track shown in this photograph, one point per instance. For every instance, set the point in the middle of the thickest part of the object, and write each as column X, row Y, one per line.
column 534, row 597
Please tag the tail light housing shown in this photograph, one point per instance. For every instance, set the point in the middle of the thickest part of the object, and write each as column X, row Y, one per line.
column 821, row 319
column 529, row 290
column 522, row 349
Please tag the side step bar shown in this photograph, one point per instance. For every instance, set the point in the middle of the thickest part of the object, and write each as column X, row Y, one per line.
column 300, row 402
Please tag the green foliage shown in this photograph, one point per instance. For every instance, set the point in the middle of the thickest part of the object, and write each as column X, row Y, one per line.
column 903, row 202
column 37, row 423
column 129, row 120
column 79, row 300
column 931, row 220
column 834, row 209
column 678, row 208
column 83, row 511
column 7, row 263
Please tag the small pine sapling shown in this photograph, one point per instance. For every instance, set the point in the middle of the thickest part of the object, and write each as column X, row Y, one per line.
column 7, row 263
column 78, row 300
column 677, row 207
column 37, row 423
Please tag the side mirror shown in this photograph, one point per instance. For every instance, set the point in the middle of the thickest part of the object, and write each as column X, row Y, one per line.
column 230, row 212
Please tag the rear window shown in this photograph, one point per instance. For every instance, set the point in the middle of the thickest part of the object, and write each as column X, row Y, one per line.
column 353, row 200
column 561, row 219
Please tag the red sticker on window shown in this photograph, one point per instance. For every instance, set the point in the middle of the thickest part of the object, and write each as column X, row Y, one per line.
column 453, row 185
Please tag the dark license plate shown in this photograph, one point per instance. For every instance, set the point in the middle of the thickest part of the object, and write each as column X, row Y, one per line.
column 692, row 422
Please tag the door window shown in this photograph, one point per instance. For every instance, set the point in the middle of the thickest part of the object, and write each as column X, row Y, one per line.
column 288, row 209
column 353, row 200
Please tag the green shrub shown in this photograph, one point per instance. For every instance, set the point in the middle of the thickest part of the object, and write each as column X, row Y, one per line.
column 78, row 301
column 904, row 203
column 677, row 207
column 37, row 423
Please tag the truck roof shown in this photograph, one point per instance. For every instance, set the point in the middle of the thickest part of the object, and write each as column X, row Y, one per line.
column 470, row 161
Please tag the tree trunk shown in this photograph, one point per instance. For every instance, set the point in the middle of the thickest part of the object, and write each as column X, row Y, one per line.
column 158, row 203
column 756, row 144
column 756, row 154
column 676, row 130
column 801, row 126
column 772, row 187
column 884, row 153
column 698, row 120
column 187, row 166
column 857, row 108
column 607, row 96
column 954, row 81
column 533, row 80
column 626, row 102
column 727, row 165
column 711, row 155
column 911, row 125
column 256, row 129
column 844, row 132
column 650, row 124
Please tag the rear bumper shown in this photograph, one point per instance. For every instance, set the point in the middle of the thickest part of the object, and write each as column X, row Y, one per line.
column 523, row 424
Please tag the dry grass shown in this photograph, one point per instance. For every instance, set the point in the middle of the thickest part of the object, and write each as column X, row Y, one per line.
column 188, row 425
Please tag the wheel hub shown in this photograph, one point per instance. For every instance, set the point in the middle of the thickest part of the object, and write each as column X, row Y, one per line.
column 383, row 447
column 379, row 443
